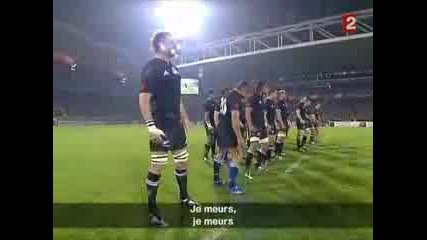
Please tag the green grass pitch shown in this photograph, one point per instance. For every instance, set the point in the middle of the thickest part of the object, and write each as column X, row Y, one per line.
column 108, row 164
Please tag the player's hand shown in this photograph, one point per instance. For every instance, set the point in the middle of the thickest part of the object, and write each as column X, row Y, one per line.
column 210, row 128
column 156, row 135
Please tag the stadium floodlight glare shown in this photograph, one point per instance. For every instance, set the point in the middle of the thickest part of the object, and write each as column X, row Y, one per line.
column 181, row 18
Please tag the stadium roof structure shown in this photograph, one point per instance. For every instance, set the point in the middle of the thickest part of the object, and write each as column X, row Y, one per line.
column 309, row 34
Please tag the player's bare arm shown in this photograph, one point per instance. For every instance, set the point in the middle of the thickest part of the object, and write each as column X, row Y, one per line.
column 235, row 120
column 144, row 106
column 279, row 120
column 248, row 113
column 216, row 118
column 184, row 116
column 207, row 121
column 298, row 113
column 265, row 118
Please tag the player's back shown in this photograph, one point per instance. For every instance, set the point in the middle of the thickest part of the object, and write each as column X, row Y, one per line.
column 317, row 113
column 209, row 106
column 271, row 111
column 284, row 110
column 257, row 115
column 302, row 110
column 232, row 101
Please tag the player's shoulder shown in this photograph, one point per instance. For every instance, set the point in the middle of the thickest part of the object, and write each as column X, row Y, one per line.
column 152, row 65
column 209, row 101
column 234, row 96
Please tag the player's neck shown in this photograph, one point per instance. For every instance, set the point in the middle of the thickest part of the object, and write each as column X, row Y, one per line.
column 163, row 57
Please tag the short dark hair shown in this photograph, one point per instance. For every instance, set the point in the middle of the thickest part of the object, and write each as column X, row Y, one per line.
column 242, row 84
column 157, row 39
column 259, row 86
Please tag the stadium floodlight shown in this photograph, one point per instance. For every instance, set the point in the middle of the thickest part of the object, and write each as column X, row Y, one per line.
column 181, row 18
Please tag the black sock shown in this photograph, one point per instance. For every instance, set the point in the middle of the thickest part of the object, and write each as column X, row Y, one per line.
column 278, row 152
column 268, row 157
column 278, row 148
column 298, row 142
column 282, row 147
column 181, row 178
column 258, row 160
column 262, row 157
column 311, row 138
column 304, row 139
column 216, row 168
column 213, row 149
column 248, row 161
column 207, row 148
column 152, row 184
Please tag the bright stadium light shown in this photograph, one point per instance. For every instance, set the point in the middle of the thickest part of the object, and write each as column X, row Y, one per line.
column 181, row 18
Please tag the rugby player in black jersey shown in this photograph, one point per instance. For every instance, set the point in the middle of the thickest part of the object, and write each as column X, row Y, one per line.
column 230, row 139
column 317, row 121
column 312, row 120
column 302, row 124
column 209, row 111
column 166, row 120
column 270, row 109
column 224, row 92
column 255, row 119
column 283, row 122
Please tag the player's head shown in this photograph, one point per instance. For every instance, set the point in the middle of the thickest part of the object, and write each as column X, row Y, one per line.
column 282, row 94
column 164, row 44
column 243, row 87
column 261, row 88
column 272, row 94
column 303, row 100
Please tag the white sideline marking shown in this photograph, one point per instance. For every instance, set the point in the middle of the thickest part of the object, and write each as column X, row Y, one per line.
column 296, row 165
column 216, row 234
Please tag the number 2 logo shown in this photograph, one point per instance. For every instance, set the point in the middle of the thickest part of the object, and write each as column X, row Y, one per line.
column 349, row 23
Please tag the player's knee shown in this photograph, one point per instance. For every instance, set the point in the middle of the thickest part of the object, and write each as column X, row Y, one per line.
column 156, row 168
column 158, row 161
column 180, row 158
column 254, row 147
column 264, row 146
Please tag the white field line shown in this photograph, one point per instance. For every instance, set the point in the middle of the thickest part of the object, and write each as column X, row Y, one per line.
column 296, row 164
column 215, row 234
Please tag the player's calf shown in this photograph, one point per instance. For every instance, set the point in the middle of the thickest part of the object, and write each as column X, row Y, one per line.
column 180, row 158
column 233, row 174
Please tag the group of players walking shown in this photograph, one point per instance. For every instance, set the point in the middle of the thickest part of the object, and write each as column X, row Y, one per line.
column 242, row 121
column 253, row 124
